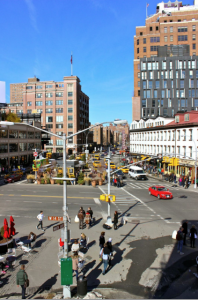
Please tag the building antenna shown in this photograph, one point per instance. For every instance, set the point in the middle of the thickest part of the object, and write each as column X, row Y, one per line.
column 71, row 64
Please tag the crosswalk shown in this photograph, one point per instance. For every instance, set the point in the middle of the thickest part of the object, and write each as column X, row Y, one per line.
column 145, row 185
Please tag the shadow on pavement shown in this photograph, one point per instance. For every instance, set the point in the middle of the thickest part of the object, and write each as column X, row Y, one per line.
column 91, row 244
column 47, row 285
column 96, row 222
column 40, row 242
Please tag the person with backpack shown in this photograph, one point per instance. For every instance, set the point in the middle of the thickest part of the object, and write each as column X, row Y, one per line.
column 179, row 238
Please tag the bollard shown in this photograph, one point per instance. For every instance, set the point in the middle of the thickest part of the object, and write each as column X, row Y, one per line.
column 82, row 286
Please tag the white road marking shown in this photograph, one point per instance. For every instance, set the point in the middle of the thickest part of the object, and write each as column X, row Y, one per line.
column 97, row 201
column 54, row 202
column 22, row 181
column 33, row 201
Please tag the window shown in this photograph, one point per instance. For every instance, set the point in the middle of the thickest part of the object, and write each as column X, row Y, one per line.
column 150, row 84
column 39, row 103
column 39, row 87
column 151, row 28
column 155, row 39
column 49, row 119
column 153, row 103
column 138, row 83
column 157, row 84
column 22, row 135
column 13, row 134
column 59, row 133
column 144, row 84
column 138, row 50
column 186, row 117
column 191, row 83
column 163, row 93
column 153, row 48
column 164, row 65
column 171, row 29
column 182, row 29
column 70, row 110
column 138, row 92
column 29, row 103
column 156, row 28
column 39, row 95
column 48, row 103
column 165, row 39
column 182, row 38
column 155, row 93
column 171, row 38
column 165, row 30
column 59, row 110
column 165, row 112
column 59, row 142
column 70, row 118
column 48, row 86
column 138, row 74
column 144, row 49
column 30, row 135
column 181, row 83
column 143, row 103
column 144, row 41
column 162, row 103
column 141, row 33
column 59, row 118
column 39, row 111
column 70, row 140
column 13, row 147
column 148, row 94
column 59, row 102
column 70, row 125
column 193, row 64
column 59, row 125
column 183, row 74
column 70, row 102
column 196, row 102
column 49, row 110
column 70, row 94
column 29, row 87
column 48, row 95
column 138, row 42
column 59, row 94
column 194, row 37
column 165, row 84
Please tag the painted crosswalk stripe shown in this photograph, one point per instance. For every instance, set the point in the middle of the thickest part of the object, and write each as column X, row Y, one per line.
column 134, row 186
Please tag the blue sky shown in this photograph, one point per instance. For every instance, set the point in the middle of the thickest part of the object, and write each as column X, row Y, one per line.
column 37, row 37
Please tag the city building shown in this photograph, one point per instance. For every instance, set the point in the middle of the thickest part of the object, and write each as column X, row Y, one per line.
column 167, row 137
column 2, row 92
column 168, row 82
column 172, row 24
column 17, row 144
column 63, row 106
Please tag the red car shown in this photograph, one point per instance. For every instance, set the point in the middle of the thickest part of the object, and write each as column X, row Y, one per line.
column 13, row 178
column 160, row 192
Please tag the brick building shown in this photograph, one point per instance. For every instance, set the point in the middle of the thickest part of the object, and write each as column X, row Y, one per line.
column 172, row 24
column 63, row 106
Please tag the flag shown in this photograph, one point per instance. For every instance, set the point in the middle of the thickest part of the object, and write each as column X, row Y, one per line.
column 71, row 59
column 147, row 4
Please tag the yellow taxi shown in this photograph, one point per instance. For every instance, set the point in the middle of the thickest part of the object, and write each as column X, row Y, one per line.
column 18, row 172
column 60, row 171
column 97, row 164
column 112, row 165
column 97, row 156
column 78, row 157
column 124, row 170
column 106, row 162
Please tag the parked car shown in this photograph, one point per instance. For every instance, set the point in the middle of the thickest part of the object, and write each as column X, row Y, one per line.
column 13, row 178
column 137, row 173
column 161, row 192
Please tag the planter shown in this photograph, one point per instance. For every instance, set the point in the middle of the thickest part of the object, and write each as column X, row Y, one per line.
column 5, row 246
column 93, row 183
column 30, row 180
column 38, row 182
column 87, row 182
column 52, row 181
column 100, row 182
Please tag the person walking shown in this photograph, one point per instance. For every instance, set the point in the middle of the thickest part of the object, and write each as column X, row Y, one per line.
column 102, row 239
column 175, row 177
column 87, row 220
column 186, row 182
column 180, row 180
column 109, row 245
column 179, row 238
column 40, row 218
column 105, row 253
column 81, row 219
column 115, row 181
column 118, row 182
column 75, row 263
column 81, row 209
column 193, row 236
column 32, row 237
column 185, row 231
column 115, row 220
column 90, row 211
column 21, row 279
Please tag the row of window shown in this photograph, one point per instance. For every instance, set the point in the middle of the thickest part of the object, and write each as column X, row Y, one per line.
column 169, row 74
column 147, row 112
column 165, row 65
column 15, row 134
column 48, row 86
column 49, row 95
column 59, row 126
column 162, row 136
column 49, row 119
column 169, row 93
column 58, row 102
column 20, row 147
column 149, row 84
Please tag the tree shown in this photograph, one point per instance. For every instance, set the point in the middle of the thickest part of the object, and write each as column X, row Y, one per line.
column 12, row 117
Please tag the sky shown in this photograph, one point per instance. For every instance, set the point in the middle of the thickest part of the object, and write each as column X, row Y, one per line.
column 38, row 36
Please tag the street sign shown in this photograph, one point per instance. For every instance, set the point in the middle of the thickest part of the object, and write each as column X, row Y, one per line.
column 35, row 154
column 57, row 227
column 55, row 218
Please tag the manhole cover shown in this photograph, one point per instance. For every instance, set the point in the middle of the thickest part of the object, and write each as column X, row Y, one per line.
column 88, row 257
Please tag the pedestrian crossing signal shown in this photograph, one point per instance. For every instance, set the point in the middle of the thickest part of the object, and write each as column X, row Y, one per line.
column 176, row 162
column 107, row 198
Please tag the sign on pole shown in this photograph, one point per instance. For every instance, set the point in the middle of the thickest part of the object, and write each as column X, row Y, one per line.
column 35, row 154
column 57, row 227
column 55, row 218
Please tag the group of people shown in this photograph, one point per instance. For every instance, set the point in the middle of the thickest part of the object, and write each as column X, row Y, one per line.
column 184, row 181
column 106, row 251
column 86, row 218
column 78, row 246
column 116, row 181
column 181, row 236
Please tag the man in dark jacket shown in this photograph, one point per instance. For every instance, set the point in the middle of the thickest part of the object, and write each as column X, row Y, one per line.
column 81, row 219
column 81, row 209
column 21, row 279
column 185, row 231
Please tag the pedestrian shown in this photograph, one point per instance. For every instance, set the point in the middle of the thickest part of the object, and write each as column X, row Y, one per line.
column 118, row 182
column 105, row 252
column 183, row 181
column 91, row 214
column 186, row 182
column 21, row 279
column 179, row 238
column 109, row 245
column 75, row 246
column 81, row 219
column 180, row 180
column 115, row 181
column 82, row 210
column 87, row 219
column 185, row 231
column 32, row 237
column 75, row 263
column 102, row 239
column 83, row 242
column 193, row 236
column 111, row 180
column 175, row 177
column 40, row 218
column 115, row 220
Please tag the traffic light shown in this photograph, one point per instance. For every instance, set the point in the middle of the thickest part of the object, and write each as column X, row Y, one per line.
column 176, row 162
column 171, row 163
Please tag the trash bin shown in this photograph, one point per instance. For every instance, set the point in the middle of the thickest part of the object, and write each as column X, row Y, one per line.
column 82, row 286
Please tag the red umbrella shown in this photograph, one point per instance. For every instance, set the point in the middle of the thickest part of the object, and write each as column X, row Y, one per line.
column 11, row 229
column 6, row 233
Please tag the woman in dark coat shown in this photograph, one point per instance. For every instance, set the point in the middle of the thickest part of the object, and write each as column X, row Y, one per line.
column 102, row 240
column 193, row 231
column 115, row 220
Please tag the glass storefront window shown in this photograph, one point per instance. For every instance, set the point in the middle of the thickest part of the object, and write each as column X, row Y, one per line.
column 38, row 145
column 30, row 146
column 22, row 146
column 22, row 134
column 3, row 148
column 30, row 135
column 13, row 147
column 37, row 135
column 3, row 133
column 13, row 134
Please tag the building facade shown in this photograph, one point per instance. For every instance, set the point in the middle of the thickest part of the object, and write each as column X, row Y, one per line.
column 169, row 84
column 2, row 92
column 172, row 24
column 63, row 106
column 167, row 137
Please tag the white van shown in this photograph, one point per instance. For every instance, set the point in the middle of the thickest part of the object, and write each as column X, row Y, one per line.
column 137, row 173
